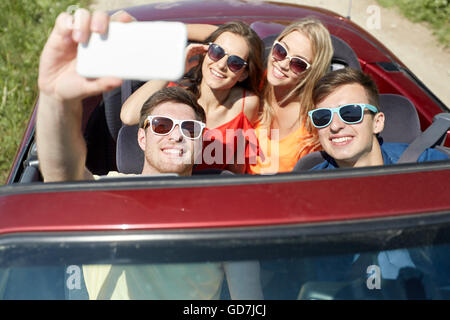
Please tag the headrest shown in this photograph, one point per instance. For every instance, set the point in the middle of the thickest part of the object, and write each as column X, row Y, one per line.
column 309, row 161
column 343, row 55
column 401, row 119
column 114, row 100
column 129, row 156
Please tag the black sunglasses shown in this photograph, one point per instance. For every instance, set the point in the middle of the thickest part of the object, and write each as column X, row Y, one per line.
column 234, row 63
column 161, row 125
column 297, row 64
column 349, row 113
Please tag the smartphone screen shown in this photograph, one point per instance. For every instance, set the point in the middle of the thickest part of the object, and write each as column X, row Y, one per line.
column 135, row 51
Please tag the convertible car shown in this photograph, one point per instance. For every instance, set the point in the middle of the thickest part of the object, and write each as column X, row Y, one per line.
column 368, row 233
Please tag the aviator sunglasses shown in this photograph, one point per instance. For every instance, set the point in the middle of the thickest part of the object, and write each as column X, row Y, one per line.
column 234, row 63
column 297, row 64
column 349, row 113
column 162, row 125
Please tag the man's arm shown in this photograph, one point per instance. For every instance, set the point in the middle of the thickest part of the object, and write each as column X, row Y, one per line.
column 60, row 143
column 131, row 109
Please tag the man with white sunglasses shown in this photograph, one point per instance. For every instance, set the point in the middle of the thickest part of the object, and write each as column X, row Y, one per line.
column 171, row 127
column 348, row 121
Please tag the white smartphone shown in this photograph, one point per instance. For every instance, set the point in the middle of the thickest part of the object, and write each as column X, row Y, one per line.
column 135, row 51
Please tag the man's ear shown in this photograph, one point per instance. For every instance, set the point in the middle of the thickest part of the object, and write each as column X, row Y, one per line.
column 142, row 138
column 243, row 76
column 378, row 122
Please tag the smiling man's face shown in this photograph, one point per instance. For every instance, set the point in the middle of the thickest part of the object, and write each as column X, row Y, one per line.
column 351, row 145
column 171, row 153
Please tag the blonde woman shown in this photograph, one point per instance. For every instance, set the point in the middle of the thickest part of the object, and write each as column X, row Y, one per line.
column 300, row 56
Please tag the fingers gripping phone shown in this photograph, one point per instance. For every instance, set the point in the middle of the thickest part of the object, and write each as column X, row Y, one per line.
column 135, row 51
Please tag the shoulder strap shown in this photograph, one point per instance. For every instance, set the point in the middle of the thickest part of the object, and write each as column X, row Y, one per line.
column 427, row 139
column 243, row 100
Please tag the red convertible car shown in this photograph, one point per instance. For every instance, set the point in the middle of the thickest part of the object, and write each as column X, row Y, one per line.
column 367, row 233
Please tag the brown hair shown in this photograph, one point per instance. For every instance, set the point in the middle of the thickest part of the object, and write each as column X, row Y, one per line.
column 255, row 57
column 174, row 94
column 345, row 76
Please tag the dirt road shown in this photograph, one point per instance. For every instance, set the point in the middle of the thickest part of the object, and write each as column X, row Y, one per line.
column 413, row 43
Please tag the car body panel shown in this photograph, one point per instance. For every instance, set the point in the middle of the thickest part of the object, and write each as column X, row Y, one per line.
column 271, row 18
column 137, row 204
column 298, row 226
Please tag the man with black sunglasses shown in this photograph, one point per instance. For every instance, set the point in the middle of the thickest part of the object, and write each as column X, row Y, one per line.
column 348, row 122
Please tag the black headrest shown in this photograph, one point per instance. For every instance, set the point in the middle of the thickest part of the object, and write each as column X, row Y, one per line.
column 129, row 156
column 401, row 120
column 309, row 161
column 114, row 100
column 343, row 55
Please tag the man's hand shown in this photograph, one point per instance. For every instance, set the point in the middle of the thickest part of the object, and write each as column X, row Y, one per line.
column 57, row 75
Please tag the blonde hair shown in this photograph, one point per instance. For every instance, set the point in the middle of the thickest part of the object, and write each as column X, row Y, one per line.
column 322, row 50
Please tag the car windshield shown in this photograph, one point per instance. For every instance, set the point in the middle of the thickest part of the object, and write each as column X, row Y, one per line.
column 205, row 266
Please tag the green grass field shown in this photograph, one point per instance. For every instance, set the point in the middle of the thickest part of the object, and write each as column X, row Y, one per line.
column 24, row 28
column 434, row 12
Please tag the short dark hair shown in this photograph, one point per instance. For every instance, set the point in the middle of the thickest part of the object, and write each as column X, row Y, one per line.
column 332, row 80
column 174, row 94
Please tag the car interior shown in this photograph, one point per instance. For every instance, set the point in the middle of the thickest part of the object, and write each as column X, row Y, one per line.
column 112, row 146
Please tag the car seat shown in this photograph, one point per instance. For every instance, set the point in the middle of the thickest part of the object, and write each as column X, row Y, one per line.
column 114, row 100
column 129, row 155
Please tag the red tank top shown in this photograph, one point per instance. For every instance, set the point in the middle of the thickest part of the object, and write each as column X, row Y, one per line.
column 232, row 142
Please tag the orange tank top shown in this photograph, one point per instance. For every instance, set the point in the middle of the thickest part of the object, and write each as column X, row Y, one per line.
column 278, row 155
